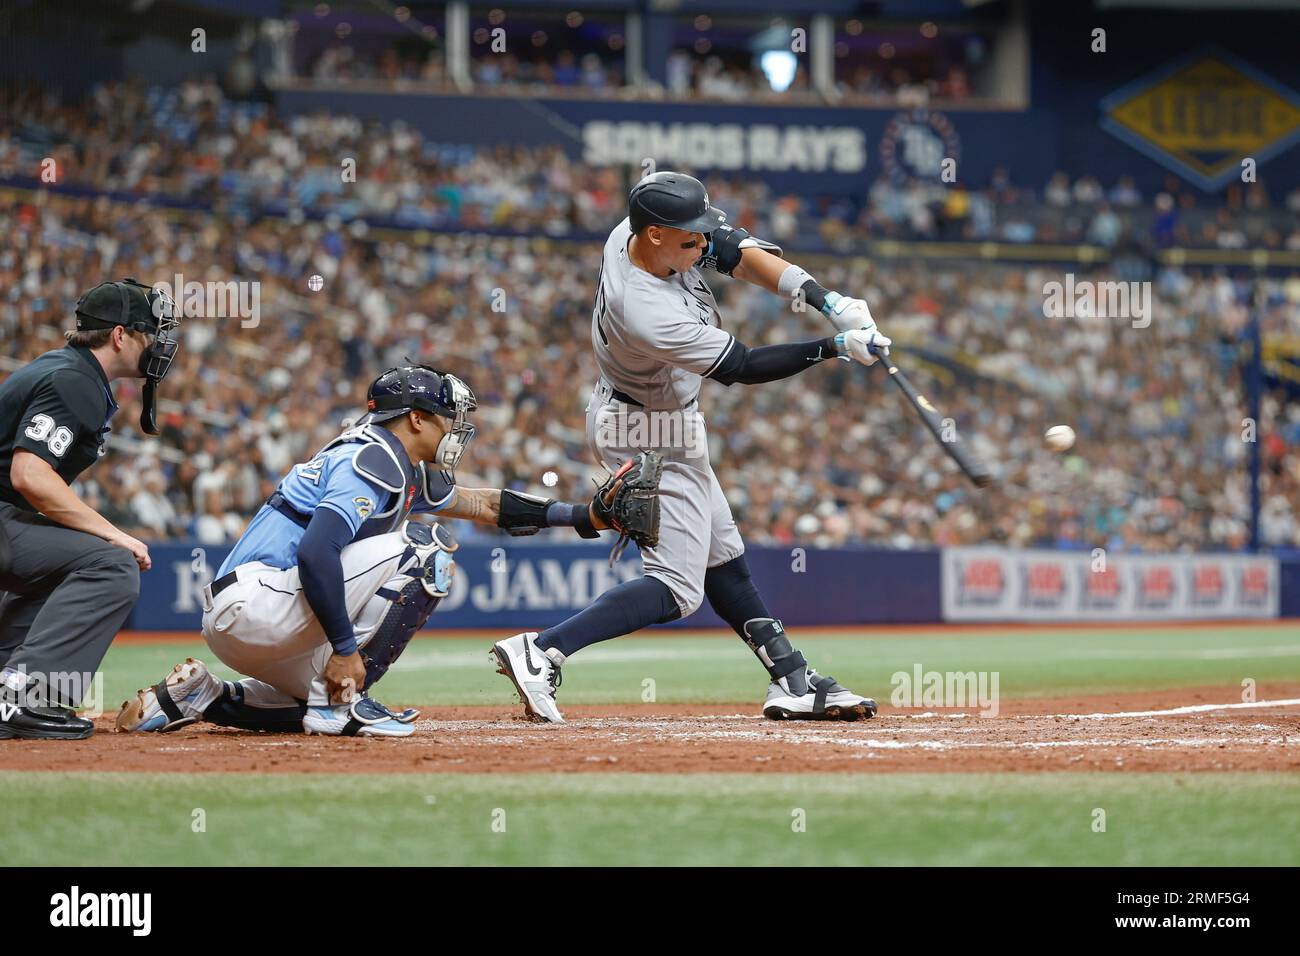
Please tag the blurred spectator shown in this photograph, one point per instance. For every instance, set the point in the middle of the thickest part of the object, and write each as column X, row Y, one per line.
column 1159, row 464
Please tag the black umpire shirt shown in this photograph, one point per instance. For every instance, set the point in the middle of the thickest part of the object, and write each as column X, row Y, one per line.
column 58, row 407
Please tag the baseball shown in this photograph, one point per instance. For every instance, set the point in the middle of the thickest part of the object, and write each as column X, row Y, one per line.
column 316, row 283
column 550, row 479
column 1059, row 438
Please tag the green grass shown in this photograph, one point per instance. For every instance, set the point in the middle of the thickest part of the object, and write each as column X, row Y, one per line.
column 702, row 667
column 890, row 819
column 876, row 819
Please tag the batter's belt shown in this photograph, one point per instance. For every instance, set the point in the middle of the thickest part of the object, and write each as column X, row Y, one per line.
column 605, row 391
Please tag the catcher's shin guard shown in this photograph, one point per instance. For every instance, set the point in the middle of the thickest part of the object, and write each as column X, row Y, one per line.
column 403, row 605
column 766, row 638
column 407, row 612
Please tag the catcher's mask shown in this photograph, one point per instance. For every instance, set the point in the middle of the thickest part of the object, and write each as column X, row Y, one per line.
column 426, row 389
column 138, row 308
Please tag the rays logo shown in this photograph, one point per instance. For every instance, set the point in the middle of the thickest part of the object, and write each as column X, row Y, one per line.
column 364, row 506
column 915, row 144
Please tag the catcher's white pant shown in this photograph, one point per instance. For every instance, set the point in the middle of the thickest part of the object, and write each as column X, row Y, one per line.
column 263, row 626
column 696, row 529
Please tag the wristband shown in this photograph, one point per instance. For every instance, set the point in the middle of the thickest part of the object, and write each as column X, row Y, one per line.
column 828, row 301
column 582, row 522
column 561, row 514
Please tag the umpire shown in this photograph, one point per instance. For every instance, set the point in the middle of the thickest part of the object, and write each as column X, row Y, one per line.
column 68, row 577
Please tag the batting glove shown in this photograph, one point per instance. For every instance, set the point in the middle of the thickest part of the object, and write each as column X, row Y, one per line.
column 847, row 313
column 862, row 345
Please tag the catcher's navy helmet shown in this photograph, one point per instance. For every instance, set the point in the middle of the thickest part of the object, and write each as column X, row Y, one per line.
column 673, row 199
column 422, row 388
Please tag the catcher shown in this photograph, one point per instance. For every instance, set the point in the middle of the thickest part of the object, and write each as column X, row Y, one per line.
column 332, row 578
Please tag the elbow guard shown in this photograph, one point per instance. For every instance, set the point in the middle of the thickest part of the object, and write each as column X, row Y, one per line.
column 726, row 243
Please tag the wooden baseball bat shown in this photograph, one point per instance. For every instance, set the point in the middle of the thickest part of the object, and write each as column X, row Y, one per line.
column 971, row 465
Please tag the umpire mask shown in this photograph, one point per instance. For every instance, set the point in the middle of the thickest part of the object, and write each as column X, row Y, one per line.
column 138, row 308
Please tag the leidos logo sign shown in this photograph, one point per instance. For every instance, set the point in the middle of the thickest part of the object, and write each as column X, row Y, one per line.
column 1202, row 116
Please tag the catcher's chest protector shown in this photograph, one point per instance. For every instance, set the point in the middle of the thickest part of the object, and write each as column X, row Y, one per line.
column 381, row 460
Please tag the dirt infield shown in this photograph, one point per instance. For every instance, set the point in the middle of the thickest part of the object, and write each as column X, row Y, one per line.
column 1114, row 732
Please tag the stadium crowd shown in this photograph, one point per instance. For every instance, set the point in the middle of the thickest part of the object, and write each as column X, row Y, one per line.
column 538, row 63
column 828, row 458
column 191, row 144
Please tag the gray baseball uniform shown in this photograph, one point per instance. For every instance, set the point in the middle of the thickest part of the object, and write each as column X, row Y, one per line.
column 655, row 340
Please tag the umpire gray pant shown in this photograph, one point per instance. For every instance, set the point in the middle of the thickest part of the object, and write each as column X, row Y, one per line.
column 63, row 597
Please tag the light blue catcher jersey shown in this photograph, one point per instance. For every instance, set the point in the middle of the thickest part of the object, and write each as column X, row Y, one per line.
column 364, row 476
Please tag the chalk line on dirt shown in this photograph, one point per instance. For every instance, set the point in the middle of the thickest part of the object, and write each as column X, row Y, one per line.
column 1169, row 712
column 1191, row 709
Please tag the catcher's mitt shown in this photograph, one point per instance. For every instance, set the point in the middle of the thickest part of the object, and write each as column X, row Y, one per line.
column 628, row 502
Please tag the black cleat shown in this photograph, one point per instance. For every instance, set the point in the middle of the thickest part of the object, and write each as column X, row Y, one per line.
column 42, row 723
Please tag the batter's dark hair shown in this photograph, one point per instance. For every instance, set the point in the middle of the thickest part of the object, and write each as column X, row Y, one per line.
column 90, row 339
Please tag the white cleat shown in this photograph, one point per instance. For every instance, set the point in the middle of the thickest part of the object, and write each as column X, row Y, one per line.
column 176, row 701
column 361, row 718
column 810, row 696
column 534, row 672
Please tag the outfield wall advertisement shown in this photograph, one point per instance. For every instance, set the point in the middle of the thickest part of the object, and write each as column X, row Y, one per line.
column 525, row 586
column 996, row 584
column 517, row 586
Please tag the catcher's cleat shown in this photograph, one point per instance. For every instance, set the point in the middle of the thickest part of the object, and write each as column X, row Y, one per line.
column 176, row 701
column 407, row 716
column 821, row 699
column 361, row 718
column 534, row 672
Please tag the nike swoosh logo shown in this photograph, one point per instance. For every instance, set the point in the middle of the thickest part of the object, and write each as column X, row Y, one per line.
column 528, row 659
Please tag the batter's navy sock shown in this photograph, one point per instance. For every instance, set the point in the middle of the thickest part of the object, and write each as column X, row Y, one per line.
column 623, row 609
column 732, row 595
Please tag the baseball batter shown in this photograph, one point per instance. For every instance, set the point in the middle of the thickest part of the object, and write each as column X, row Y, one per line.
column 657, row 335
column 332, row 578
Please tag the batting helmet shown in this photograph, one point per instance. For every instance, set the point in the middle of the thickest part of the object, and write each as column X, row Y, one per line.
column 673, row 199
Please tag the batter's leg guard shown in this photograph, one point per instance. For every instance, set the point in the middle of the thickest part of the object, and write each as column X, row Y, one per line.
column 254, row 705
column 786, row 665
column 402, row 606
